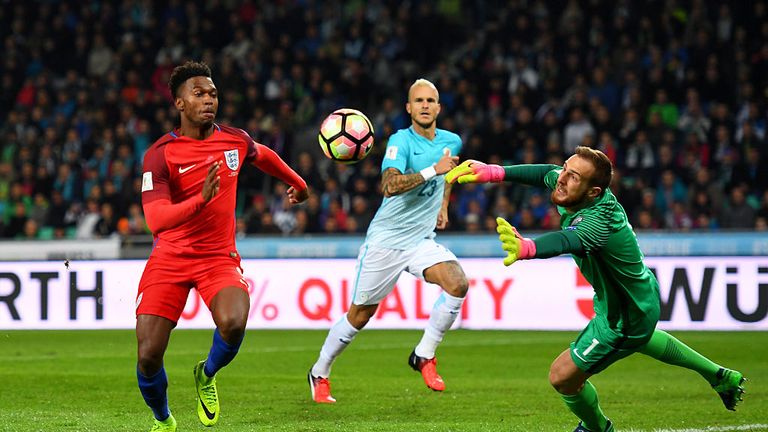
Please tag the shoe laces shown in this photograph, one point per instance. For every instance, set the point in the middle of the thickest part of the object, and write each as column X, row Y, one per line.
column 208, row 392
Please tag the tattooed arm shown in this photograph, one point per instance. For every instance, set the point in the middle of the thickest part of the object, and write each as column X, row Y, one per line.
column 393, row 182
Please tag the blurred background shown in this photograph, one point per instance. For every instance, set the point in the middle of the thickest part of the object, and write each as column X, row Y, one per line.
column 672, row 91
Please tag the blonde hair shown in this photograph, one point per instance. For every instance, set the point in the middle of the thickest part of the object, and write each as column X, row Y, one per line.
column 423, row 82
column 603, row 166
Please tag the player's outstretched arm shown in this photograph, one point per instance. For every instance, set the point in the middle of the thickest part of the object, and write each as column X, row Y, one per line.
column 271, row 163
column 472, row 171
column 545, row 246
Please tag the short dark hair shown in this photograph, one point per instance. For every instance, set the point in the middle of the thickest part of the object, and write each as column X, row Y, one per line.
column 603, row 166
column 186, row 71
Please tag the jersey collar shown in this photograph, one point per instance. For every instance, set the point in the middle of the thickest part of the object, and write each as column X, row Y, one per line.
column 176, row 135
column 410, row 129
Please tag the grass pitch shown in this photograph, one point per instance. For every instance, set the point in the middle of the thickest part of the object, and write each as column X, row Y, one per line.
column 496, row 381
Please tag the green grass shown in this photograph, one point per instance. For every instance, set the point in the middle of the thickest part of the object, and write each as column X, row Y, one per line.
column 497, row 381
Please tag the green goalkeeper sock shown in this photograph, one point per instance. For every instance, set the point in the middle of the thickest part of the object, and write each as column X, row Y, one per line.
column 668, row 349
column 586, row 407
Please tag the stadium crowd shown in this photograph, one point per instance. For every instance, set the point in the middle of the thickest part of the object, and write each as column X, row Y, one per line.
column 673, row 91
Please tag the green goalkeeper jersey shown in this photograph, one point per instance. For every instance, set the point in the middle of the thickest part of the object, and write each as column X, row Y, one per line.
column 626, row 291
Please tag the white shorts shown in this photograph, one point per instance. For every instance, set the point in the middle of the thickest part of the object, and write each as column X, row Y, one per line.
column 378, row 269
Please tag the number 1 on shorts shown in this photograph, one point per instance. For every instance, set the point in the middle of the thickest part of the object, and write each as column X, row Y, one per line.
column 591, row 347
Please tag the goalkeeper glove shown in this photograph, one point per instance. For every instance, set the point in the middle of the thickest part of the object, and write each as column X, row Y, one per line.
column 516, row 246
column 472, row 171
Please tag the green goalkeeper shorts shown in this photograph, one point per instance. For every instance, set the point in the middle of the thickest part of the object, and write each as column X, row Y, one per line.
column 598, row 346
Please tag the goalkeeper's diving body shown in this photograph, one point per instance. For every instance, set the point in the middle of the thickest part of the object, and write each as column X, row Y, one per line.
column 595, row 230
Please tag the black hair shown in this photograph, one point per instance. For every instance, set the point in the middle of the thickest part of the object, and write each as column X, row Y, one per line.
column 186, row 71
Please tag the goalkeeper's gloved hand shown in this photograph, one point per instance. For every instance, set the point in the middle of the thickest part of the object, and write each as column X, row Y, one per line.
column 472, row 171
column 516, row 246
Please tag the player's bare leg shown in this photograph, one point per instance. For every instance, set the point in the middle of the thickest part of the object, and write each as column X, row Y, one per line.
column 578, row 394
column 339, row 337
column 450, row 277
column 229, row 309
column 152, row 334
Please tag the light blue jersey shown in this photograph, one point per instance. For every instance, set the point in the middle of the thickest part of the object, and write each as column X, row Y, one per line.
column 404, row 220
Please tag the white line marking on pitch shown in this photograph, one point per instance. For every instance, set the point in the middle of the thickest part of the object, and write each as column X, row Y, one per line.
column 749, row 427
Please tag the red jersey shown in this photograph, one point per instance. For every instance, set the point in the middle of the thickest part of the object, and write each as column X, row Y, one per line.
column 175, row 168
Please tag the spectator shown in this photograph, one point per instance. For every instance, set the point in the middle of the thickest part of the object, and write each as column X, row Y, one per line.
column 648, row 215
column 30, row 231
column 267, row 225
column 751, row 172
column 737, row 213
column 107, row 224
column 361, row 214
column 314, row 214
column 693, row 120
column 678, row 218
column 666, row 109
column 639, row 158
column 302, row 222
column 87, row 221
column 134, row 222
column 703, row 184
column 576, row 130
column 100, row 57
column 670, row 190
column 16, row 221
column 284, row 216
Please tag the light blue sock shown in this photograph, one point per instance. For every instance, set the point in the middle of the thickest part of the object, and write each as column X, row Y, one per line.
column 444, row 312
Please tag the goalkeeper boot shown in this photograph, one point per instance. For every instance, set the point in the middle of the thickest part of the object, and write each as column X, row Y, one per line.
column 207, row 396
column 729, row 387
column 428, row 369
column 320, row 389
column 581, row 428
column 167, row 425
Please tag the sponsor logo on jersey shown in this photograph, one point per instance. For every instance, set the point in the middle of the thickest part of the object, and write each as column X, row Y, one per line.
column 232, row 157
column 146, row 181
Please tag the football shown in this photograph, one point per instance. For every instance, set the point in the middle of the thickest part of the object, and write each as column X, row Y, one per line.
column 346, row 136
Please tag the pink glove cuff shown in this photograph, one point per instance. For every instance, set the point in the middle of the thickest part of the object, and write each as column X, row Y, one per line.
column 495, row 173
column 527, row 249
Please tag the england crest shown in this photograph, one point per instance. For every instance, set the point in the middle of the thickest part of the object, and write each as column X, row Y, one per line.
column 233, row 159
